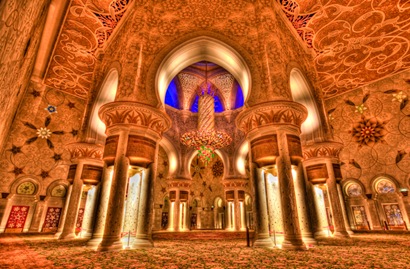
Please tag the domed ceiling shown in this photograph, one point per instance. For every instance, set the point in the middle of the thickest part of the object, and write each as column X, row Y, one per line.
column 182, row 91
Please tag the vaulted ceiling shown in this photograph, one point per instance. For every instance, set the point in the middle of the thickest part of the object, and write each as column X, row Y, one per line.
column 192, row 78
column 355, row 42
column 88, row 25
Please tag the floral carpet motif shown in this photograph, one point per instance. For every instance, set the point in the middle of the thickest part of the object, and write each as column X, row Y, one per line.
column 361, row 251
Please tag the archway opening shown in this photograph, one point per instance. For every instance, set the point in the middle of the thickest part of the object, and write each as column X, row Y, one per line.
column 96, row 128
column 301, row 93
column 197, row 50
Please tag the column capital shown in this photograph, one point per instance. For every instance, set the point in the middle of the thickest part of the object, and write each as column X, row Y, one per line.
column 278, row 113
column 85, row 151
column 87, row 158
column 235, row 184
column 327, row 149
column 179, row 184
column 134, row 115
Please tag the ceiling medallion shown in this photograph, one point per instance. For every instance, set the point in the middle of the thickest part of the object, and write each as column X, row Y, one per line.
column 206, row 139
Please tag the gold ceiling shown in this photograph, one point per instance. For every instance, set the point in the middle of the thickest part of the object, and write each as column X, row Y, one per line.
column 356, row 42
column 88, row 25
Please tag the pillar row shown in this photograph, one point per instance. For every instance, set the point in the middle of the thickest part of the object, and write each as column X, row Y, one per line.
column 321, row 163
column 133, row 133
column 86, row 168
column 273, row 130
column 178, row 192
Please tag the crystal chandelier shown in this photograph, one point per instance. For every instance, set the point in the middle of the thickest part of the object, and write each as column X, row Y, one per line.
column 206, row 139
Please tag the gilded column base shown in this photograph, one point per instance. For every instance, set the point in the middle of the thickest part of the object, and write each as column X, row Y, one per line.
column 264, row 242
column 321, row 234
column 110, row 244
column 67, row 236
column 94, row 242
column 309, row 239
column 293, row 244
column 142, row 242
column 341, row 234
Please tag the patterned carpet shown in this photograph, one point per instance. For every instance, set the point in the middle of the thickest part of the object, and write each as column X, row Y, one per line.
column 361, row 251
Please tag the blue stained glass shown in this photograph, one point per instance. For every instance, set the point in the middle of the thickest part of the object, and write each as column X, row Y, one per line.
column 171, row 97
column 194, row 107
column 218, row 105
column 239, row 101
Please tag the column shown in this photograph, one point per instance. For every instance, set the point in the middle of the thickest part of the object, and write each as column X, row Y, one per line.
column 303, row 212
column 403, row 210
column 73, row 204
column 237, row 212
column 406, row 202
column 242, row 211
column 133, row 130
column 89, row 214
column 274, row 208
column 64, row 213
column 3, row 206
column 132, row 207
column 350, row 213
column 322, row 229
column 342, row 203
column 37, row 217
column 176, row 211
column 263, row 239
column 142, row 237
column 337, row 210
column 228, row 215
column 102, row 206
column 111, row 239
column 293, row 236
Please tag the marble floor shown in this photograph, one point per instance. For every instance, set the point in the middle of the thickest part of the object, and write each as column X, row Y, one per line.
column 360, row 251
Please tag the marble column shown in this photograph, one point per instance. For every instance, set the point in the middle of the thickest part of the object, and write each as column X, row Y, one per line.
column 64, row 213
column 37, row 217
column 73, row 206
column 322, row 226
column 344, row 211
column 263, row 238
column 3, row 206
column 229, row 224
column 302, row 204
column 89, row 213
column 237, row 211
column 293, row 237
column 111, row 239
column 133, row 131
column 142, row 237
column 403, row 209
column 336, row 207
column 274, row 208
column 176, row 211
column 132, row 207
column 269, row 204
column 102, row 206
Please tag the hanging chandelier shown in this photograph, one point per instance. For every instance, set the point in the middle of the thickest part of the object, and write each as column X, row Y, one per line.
column 206, row 139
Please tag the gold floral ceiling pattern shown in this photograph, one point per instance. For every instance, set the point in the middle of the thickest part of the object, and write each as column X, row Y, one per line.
column 88, row 25
column 356, row 42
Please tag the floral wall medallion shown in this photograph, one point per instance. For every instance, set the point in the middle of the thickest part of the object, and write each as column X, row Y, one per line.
column 373, row 123
column 36, row 145
column 26, row 188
